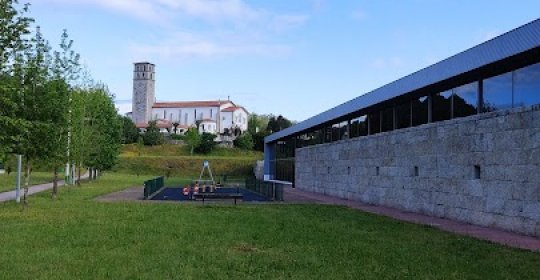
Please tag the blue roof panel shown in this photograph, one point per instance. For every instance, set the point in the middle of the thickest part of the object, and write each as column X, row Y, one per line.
column 519, row 40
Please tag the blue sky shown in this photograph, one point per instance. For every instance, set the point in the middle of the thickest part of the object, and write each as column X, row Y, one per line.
column 291, row 57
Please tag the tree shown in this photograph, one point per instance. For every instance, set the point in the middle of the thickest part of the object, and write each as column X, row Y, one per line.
column 244, row 141
column 278, row 124
column 64, row 68
column 192, row 138
column 14, row 28
column 152, row 136
column 258, row 140
column 105, row 130
column 130, row 133
column 207, row 143
column 175, row 127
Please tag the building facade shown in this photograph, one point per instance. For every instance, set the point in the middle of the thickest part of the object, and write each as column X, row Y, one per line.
column 459, row 139
column 220, row 117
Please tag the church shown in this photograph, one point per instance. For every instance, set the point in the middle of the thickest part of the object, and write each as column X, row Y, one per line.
column 220, row 117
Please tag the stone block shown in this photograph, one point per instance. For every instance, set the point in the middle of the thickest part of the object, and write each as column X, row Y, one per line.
column 531, row 210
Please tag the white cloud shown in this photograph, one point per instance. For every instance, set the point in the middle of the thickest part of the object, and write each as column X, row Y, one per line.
column 286, row 22
column 123, row 106
column 182, row 46
column 161, row 10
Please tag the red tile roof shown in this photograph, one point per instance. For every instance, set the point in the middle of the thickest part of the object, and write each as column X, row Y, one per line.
column 233, row 108
column 208, row 120
column 159, row 123
column 190, row 104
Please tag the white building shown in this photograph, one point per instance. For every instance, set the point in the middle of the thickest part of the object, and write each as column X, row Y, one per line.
column 220, row 117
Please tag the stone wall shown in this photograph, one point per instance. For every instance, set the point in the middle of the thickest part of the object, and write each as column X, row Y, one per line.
column 483, row 169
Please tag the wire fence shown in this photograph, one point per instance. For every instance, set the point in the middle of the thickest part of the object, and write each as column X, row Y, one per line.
column 152, row 186
column 272, row 191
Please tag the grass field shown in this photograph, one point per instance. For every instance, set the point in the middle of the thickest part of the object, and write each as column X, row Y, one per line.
column 7, row 182
column 76, row 237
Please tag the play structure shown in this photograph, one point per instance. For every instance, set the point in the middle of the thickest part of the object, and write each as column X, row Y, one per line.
column 204, row 188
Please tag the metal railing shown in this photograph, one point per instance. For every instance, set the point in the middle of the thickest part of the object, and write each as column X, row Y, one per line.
column 272, row 191
column 152, row 186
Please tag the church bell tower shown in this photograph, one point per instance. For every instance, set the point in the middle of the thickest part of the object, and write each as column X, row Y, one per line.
column 144, row 92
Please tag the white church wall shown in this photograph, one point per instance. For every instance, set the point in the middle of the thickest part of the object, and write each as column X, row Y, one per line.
column 187, row 116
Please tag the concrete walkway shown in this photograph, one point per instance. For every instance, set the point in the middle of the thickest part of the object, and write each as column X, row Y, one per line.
column 484, row 233
column 7, row 196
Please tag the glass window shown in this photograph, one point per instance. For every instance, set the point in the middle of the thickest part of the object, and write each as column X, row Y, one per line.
column 420, row 111
column 335, row 132
column 403, row 115
column 527, row 85
column 465, row 100
column 328, row 134
column 497, row 93
column 441, row 106
column 344, row 130
column 358, row 127
column 375, row 122
column 387, row 123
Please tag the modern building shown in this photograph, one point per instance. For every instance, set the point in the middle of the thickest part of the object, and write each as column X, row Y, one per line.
column 220, row 117
column 459, row 139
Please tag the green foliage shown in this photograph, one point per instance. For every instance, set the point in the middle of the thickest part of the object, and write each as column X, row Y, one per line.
column 278, row 124
column 258, row 140
column 152, row 136
column 177, row 137
column 192, row 139
column 207, row 143
column 244, row 141
column 130, row 133
column 105, row 127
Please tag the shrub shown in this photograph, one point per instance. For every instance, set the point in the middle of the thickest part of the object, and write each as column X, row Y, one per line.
column 152, row 136
column 207, row 143
column 244, row 141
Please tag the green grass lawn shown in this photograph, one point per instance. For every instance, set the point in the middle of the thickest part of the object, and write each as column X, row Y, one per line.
column 7, row 182
column 76, row 237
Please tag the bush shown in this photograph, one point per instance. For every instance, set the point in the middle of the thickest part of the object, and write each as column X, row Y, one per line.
column 177, row 137
column 207, row 143
column 244, row 141
column 152, row 136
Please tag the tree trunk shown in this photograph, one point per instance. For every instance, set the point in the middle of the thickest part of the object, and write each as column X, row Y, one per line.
column 26, row 184
column 55, row 184
column 79, row 176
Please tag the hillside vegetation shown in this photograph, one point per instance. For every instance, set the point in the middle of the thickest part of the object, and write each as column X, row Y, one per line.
column 175, row 160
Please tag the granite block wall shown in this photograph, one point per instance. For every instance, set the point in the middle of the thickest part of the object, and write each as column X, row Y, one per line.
column 483, row 169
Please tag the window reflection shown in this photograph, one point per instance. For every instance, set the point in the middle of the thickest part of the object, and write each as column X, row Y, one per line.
column 441, row 106
column 387, row 122
column 374, row 123
column 420, row 111
column 497, row 93
column 403, row 115
column 465, row 100
column 527, row 86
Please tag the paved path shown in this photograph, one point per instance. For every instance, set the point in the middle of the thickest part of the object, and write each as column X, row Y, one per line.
column 130, row 194
column 6, row 196
column 490, row 234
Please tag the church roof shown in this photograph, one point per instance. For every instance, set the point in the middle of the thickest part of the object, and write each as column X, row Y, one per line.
column 190, row 104
column 233, row 108
column 161, row 123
